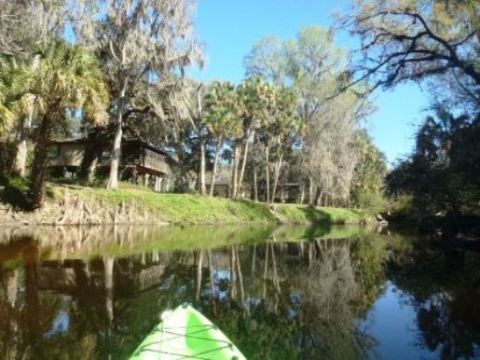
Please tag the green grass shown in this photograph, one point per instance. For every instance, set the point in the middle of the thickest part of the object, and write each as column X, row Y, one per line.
column 197, row 209
column 183, row 208
column 190, row 209
column 302, row 214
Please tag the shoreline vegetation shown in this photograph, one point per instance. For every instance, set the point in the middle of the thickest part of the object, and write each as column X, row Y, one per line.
column 115, row 240
column 293, row 129
column 131, row 204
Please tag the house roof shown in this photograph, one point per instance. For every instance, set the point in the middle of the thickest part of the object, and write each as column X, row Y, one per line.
column 128, row 140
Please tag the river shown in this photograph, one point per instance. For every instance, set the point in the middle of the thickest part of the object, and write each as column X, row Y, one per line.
column 279, row 293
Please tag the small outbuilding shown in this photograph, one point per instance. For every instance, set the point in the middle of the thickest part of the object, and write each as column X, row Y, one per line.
column 140, row 162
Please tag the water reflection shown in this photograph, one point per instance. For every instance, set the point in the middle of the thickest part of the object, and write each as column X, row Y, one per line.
column 279, row 293
column 443, row 287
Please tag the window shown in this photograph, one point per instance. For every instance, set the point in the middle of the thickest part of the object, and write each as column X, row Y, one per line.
column 53, row 152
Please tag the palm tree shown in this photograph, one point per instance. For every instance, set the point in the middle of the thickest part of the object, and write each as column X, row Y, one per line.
column 221, row 118
column 14, row 77
column 5, row 113
column 15, row 104
column 256, row 98
column 68, row 78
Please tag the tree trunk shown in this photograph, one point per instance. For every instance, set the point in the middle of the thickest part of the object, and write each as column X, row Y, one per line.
column 267, row 171
column 278, row 166
column 322, row 199
column 215, row 163
column 91, row 170
column 93, row 151
column 39, row 167
column 21, row 155
column 89, row 165
column 3, row 159
column 20, row 167
column 235, row 171
column 311, row 189
column 116, row 152
column 244, row 161
column 318, row 195
column 255, row 186
column 201, row 175
column 302, row 193
column 117, row 143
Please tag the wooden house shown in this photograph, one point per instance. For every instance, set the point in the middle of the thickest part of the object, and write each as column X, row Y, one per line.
column 140, row 162
column 66, row 154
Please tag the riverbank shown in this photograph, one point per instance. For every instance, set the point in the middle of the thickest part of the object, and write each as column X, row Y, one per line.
column 89, row 242
column 73, row 205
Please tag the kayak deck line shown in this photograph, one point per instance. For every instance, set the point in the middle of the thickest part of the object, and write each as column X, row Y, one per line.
column 198, row 338
column 183, row 356
column 190, row 335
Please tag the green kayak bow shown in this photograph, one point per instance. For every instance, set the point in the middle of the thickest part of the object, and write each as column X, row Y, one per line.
column 184, row 333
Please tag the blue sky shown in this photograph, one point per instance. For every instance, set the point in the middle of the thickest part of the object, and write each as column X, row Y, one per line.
column 230, row 27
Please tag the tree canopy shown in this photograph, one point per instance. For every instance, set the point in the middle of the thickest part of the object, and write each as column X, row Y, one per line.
column 108, row 70
column 414, row 40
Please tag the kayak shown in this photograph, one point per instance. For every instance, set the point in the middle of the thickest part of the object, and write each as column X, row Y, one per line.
column 184, row 333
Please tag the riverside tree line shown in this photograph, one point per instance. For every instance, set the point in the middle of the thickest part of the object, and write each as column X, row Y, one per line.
column 436, row 44
column 106, row 69
column 117, row 68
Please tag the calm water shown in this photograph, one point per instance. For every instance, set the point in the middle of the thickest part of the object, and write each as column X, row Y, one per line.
column 285, row 293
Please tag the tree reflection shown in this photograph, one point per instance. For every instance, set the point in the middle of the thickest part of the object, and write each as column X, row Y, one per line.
column 444, row 287
column 49, row 309
column 297, row 300
column 291, row 293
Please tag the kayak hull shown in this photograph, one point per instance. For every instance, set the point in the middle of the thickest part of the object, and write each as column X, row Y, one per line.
column 185, row 333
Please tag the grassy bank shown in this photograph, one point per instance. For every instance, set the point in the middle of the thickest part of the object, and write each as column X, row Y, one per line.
column 301, row 214
column 183, row 208
column 190, row 209
column 196, row 209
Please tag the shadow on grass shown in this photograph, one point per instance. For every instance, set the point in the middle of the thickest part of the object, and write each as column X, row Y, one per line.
column 14, row 189
column 14, row 193
column 260, row 208
column 319, row 216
